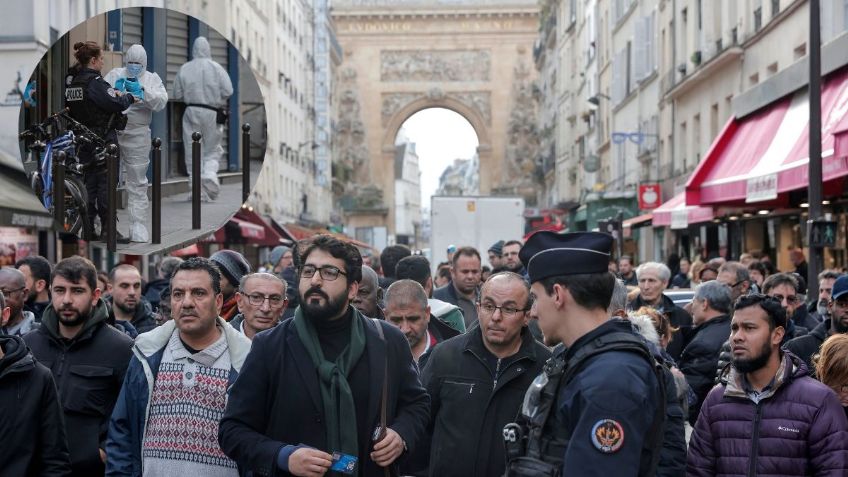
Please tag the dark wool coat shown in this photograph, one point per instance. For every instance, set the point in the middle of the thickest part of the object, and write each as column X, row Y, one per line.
column 275, row 404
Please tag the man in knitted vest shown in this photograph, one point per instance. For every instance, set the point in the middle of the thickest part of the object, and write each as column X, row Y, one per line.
column 166, row 419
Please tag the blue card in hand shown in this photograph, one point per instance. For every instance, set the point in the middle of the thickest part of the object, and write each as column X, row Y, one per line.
column 343, row 463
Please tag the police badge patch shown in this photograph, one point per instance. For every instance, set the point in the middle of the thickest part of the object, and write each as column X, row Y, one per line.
column 607, row 436
column 112, row 92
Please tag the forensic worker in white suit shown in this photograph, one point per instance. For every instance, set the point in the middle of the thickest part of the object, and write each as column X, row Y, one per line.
column 134, row 140
column 204, row 86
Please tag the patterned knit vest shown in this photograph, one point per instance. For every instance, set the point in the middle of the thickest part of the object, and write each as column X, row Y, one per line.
column 182, row 430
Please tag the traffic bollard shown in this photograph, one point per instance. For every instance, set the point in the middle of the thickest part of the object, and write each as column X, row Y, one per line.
column 157, row 191
column 195, row 180
column 59, row 189
column 245, row 162
column 112, row 206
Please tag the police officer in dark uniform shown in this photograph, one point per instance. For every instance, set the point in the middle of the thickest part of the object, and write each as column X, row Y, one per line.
column 94, row 103
column 598, row 409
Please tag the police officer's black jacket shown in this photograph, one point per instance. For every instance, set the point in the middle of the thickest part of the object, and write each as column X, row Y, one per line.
column 700, row 358
column 31, row 424
column 473, row 395
column 616, row 390
column 93, row 101
column 89, row 371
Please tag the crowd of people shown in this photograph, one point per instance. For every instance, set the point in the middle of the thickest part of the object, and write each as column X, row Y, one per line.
column 331, row 361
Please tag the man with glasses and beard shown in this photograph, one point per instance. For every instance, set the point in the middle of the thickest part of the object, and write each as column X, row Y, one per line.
column 88, row 359
column 261, row 301
column 767, row 416
column 807, row 346
column 13, row 286
column 311, row 395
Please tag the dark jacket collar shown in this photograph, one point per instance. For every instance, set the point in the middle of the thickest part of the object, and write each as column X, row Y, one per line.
column 474, row 343
column 714, row 321
column 666, row 304
column 16, row 357
column 50, row 322
column 609, row 326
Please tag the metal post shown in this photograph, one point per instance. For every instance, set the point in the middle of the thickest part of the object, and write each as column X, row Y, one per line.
column 59, row 189
column 157, row 191
column 815, row 188
column 112, row 206
column 620, row 237
column 245, row 162
column 195, row 180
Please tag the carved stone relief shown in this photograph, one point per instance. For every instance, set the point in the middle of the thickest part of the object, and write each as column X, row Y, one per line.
column 481, row 101
column 435, row 65
column 522, row 147
column 350, row 136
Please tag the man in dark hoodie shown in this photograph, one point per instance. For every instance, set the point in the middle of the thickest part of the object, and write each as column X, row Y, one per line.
column 30, row 412
column 88, row 359
column 127, row 304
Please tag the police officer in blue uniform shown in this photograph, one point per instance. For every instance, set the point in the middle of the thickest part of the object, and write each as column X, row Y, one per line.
column 94, row 103
column 599, row 407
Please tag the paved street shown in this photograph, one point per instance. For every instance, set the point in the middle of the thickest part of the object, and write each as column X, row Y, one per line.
column 176, row 216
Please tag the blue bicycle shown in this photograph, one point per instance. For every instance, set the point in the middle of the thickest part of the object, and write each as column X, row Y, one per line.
column 60, row 132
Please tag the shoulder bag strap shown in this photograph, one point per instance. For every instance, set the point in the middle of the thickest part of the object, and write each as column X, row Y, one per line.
column 384, row 399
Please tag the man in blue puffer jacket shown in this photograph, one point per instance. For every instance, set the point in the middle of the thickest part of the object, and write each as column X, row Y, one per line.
column 767, row 417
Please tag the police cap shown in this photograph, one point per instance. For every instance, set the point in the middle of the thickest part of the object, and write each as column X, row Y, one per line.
column 548, row 254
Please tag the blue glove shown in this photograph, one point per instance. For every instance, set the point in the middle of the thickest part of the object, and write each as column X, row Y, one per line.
column 120, row 85
column 134, row 88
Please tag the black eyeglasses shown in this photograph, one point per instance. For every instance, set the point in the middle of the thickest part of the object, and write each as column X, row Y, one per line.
column 328, row 272
column 506, row 311
column 257, row 299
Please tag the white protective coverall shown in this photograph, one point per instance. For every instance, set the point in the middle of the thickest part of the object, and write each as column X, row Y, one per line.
column 134, row 140
column 203, row 81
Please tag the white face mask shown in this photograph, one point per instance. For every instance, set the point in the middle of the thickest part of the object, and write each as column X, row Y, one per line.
column 134, row 69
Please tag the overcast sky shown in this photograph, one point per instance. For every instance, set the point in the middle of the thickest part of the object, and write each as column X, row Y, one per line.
column 440, row 136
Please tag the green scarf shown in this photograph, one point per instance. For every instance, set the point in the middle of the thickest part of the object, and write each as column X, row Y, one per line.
column 336, row 396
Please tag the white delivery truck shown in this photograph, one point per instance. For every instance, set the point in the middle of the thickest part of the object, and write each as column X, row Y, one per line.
column 478, row 222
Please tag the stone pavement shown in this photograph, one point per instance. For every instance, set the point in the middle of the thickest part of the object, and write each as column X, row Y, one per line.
column 176, row 217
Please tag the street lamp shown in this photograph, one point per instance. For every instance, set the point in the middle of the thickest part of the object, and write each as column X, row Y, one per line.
column 596, row 99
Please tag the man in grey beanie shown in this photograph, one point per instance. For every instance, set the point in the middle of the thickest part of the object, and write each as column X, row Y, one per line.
column 233, row 266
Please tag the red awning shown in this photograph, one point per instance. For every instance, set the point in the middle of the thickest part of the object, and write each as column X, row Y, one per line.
column 840, row 148
column 184, row 252
column 762, row 155
column 677, row 214
column 251, row 227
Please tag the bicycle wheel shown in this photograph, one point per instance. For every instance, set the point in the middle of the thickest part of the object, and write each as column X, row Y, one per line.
column 76, row 208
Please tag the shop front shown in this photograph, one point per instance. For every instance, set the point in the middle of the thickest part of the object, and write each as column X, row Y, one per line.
column 756, row 173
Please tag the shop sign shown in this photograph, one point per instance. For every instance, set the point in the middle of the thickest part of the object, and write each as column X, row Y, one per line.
column 679, row 218
column 761, row 188
column 650, row 196
column 15, row 244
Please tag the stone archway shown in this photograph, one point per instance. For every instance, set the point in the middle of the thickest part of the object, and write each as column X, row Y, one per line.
column 462, row 104
column 403, row 56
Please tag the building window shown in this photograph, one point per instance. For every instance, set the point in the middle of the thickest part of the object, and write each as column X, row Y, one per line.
column 800, row 51
column 754, row 79
column 775, row 8
column 758, row 18
column 772, row 69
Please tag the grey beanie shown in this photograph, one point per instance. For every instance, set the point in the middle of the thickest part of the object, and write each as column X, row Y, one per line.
column 277, row 254
column 232, row 265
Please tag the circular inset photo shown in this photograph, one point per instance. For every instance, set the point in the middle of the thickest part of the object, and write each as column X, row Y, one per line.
column 142, row 129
